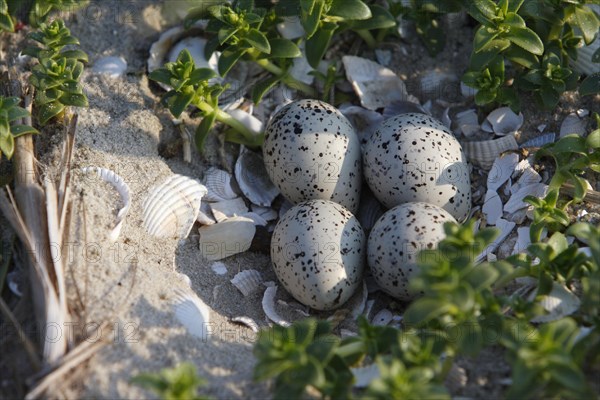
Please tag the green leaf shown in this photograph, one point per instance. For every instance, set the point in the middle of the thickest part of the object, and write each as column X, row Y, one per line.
column 484, row 96
column 7, row 145
column 201, row 75
column 284, row 48
column 310, row 15
column 75, row 54
column 522, row 57
column 317, row 45
column 49, row 111
column 15, row 113
column 380, row 19
column 6, row 24
column 226, row 33
column 350, row 9
column 161, row 75
column 204, row 129
column 262, row 87
column 228, row 59
column 179, row 102
column 19, row 130
column 587, row 22
column 549, row 97
column 484, row 11
column 593, row 139
column 194, row 14
column 590, row 85
column 423, row 310
column 74, row 99
column 527, row 39
column 482, row 276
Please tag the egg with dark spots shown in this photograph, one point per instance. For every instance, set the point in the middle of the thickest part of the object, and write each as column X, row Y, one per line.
column 397, row 238
column 318, row 252
column 413, row 157
column 311, row 151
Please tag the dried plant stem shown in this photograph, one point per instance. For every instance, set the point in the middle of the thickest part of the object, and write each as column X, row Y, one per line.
column 592, row 196
column 27, row 344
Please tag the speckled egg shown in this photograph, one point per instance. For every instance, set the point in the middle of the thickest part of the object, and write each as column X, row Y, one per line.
column 312, row 152
column 397, row 238
column 318, row 251
column 413, row 157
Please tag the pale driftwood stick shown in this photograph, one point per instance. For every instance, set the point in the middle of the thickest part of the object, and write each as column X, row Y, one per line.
column 592, row 196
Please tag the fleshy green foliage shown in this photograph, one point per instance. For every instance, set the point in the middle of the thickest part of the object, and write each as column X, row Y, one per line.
column 546, row 214
column 540, row 38
column 10, row 112
column 177, row 383
column 42, row 8
column 6, row 21
column 56, row 76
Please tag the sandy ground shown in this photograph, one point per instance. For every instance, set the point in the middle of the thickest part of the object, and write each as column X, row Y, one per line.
column 130, row 284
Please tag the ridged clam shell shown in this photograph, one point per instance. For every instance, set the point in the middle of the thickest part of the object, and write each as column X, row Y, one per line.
column 501, row 170
column 224, row 209
column 559, row 303
column 382, row 318
column 219, row 184
column 539, row 141
column 375, row 85
column 484, row 153
column 121, row 187
column 572, row 124
column 247, row 281
column 246, row 321
column 268, row 304
column 171, row 208
column 504, row 121
column 192, row 312
column 253, row 179
column 227, row 238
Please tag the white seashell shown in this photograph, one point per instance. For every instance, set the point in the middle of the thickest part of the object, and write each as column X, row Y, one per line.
column 523, row 240
column 492, row 207
column 358, row 301
column 296, row 307
column 384, row 57
column 248, row 120
column 224, row 209
column 559, row 303
column 246, row 321
column 13, row 280
column 382, row 318
column 572, row 124
column 369, row 209
column 219, row 268
column 456, row 379
column 516, row 200
column 290, row 28
column 365, row 122
column 504, row 121
column 522, row 166
column 256, row 218
column 268, row 304
column 582, row 112
column 266, row 212
column 121, row 187
column 502, row 170
column 219, row 185
column 205, row 215
column 172, row 207
column 467, row 91
column 484, row 153
column 344, row 333
column 368, row 308
column 506, row 228
column 403, row 107
column 435, row 84
column 467, row 122
column 111, row 66
column 541, row 128
column 193, row 313
column 539, row 141
column 301, row 69
column 486, row 126
column 185, row 279
column 375, row 85
column 363, row 376
column 247, row 281
column 528, row 177
column 446, row 118
column 227, row 238
column 253, row 179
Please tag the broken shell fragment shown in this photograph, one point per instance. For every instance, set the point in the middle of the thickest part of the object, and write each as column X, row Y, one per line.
column 246, row 321
column 121, row 187
column 227, row 238
column 172, row 207
column 219, row 184
column 192, row 312
column 253, row 179
column 219, row 268
column 247, row 281
column 111, row 66
column 506, row 228
column 467, row 122
column 492, row 207
column 516, row 202
column 224, row 209
column 484, row 153
column 363, row 376
column 502, row 170
column 559, row 303
column 572, row 124
column 375, row 85
column 504, row 121
column 539, row 141
column 268, row 304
